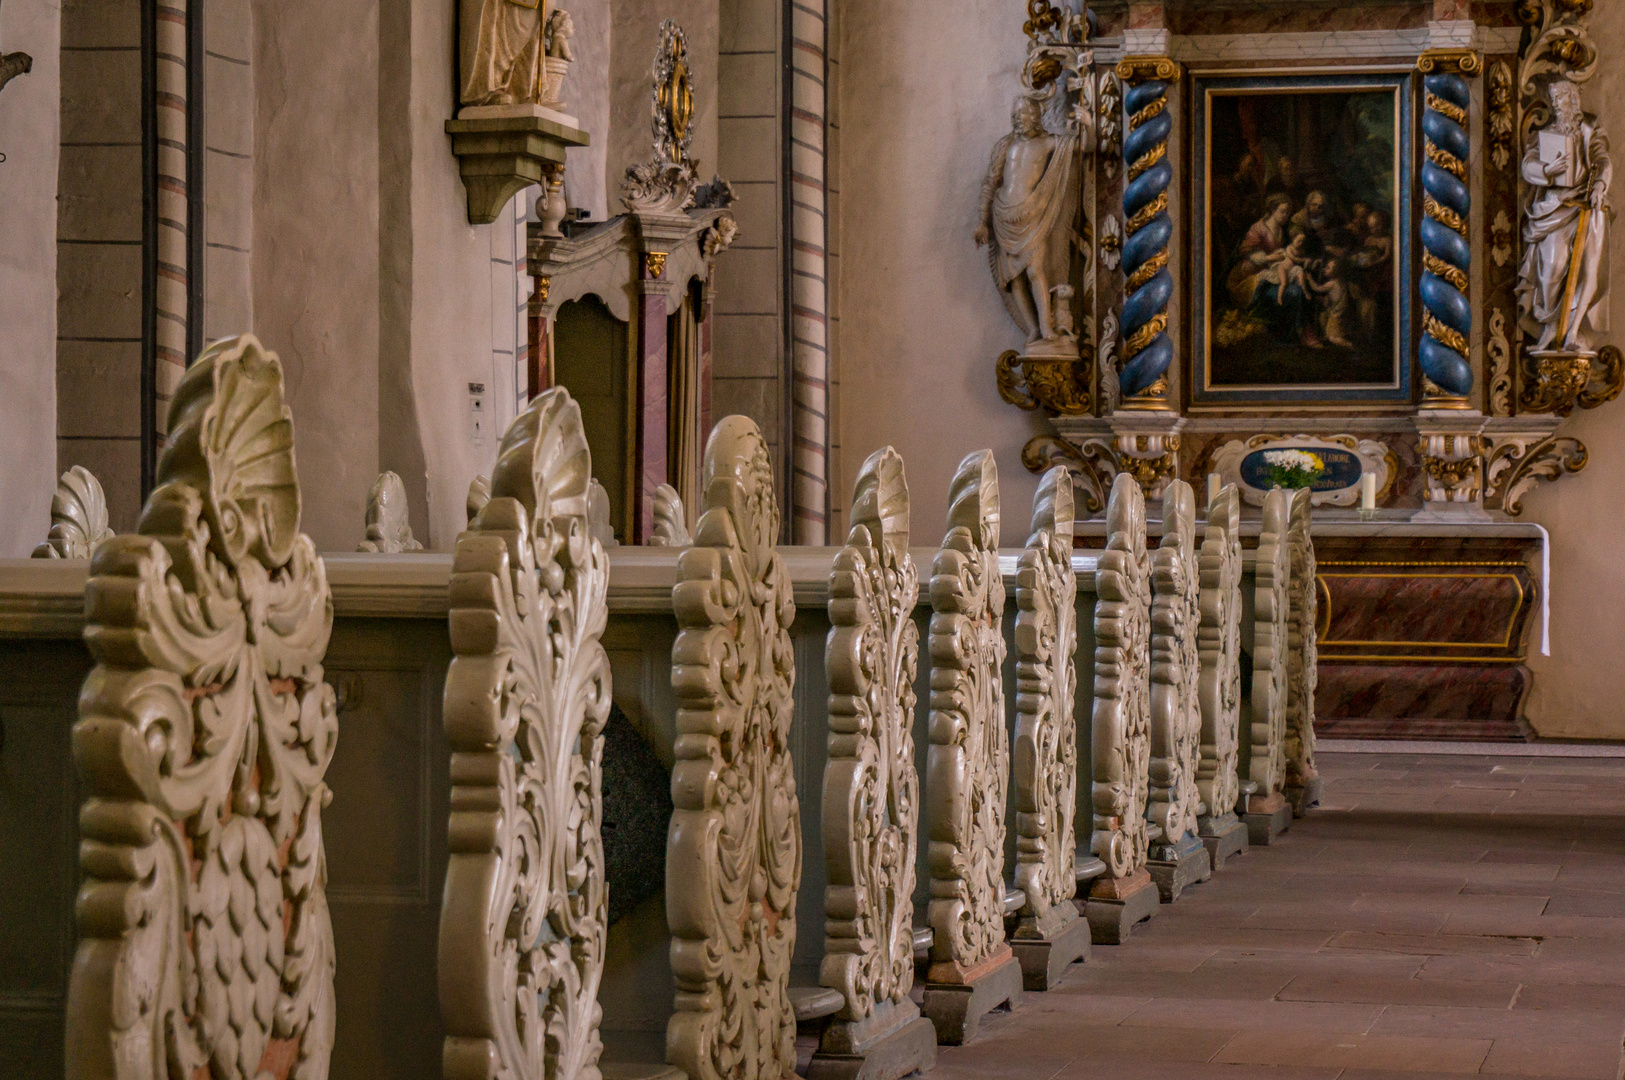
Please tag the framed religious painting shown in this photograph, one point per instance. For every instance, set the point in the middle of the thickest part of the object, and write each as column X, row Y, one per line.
column 1302, row 239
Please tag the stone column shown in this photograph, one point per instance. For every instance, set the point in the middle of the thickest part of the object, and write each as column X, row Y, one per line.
column 538, row 326
column 652, row 407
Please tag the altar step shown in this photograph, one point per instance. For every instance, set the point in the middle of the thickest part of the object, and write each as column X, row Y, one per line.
column 1372, row 727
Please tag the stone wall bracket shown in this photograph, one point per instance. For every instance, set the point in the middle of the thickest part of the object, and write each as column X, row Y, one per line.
column 499, row 156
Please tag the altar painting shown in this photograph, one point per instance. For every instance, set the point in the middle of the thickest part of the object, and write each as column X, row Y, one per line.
column 1301, row 222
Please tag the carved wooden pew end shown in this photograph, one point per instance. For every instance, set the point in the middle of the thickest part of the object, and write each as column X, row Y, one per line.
column 1268, row 812
column 1221, row 830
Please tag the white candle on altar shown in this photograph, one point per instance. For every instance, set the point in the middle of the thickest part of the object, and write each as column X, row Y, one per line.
column 1368, row 491
column 1212, row 487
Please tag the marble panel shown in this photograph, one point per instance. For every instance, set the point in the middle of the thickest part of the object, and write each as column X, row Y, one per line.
column 1467, row 611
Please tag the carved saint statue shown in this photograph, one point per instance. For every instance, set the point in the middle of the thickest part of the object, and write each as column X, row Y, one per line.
column 503, row 51
column 1563, row 283
column 1029, row 202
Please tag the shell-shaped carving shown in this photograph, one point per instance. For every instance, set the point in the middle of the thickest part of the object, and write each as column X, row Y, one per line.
column 1046, row 742
column 388, row 529
column 231, row 438
column 1176, row 718
column 78, row 517
column 523, row 925
column 1121, row 720
column 479, row 493
column 871, row 789
column 1302, row 657
column 204, row 735
column 733, row 852
column 1266, row 764
column 1219, row 643
column 670, row 528
column 968, row 763
column 598, row 515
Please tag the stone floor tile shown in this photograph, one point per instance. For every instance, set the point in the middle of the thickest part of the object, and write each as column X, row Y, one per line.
column 1498, row 1023
column 1434, row 944
column 1113, row 1067
column 1183, row 1044
column 1328, row 1017
column 1548, row 1058
column 1329, row 916
column 1481, row 903
column 1406, row 991
column 1432, row 1056
column 1562, row 998
column 1083, row 1004
column 1588, row 905
column 1287, row 940
column 1536, row 926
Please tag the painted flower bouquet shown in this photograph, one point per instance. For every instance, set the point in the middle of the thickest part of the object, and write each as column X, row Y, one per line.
column 1293, row 469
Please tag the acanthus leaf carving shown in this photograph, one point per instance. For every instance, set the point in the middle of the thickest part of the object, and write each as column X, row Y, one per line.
column 1266, row 765
column 1121, row 718
column 204, row 735
column 525, row 914
column 1219, row 645
column 388, row 529
column 1046, row 743
column 1176, row 722
column 78, row 517
column 968, row 762
column 670, row 519
column 1093, row 466
column 870, row 778
column 733, row 853
column 1515, row 463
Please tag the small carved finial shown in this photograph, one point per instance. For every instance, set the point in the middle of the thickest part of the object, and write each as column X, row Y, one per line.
column 78, row 517
column 479, row 493
column 388, row 529
column 670, row 519
column 598, row 515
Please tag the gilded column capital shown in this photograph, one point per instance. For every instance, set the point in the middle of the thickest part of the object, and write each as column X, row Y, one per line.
column 1450, row 61
column 1137, row 69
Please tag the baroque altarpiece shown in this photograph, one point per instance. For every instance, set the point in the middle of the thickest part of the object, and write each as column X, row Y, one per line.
column 1376, row 230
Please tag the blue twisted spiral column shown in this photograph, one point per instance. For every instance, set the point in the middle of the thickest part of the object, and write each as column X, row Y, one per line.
column 1147, row 228
column 1447, row 260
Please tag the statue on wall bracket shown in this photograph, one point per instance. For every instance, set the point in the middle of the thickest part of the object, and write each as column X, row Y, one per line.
column 1039, row 247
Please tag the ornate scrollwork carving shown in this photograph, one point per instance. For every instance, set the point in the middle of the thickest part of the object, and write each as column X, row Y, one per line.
column 1176, row 717
column 1093, row 466
column 388, row 529
column 1502, row 108
column 1046, row 747
column 968, row 763
column 1303, row 598
column 1109, row 121
column 1558, row 43
column 1060, row 384
column 1500, row 353
column 1514, row 464
column 670, row 519
column 733, row 853
column 204, row 734
column 870, row 846
column 1219, row 646
column 78, row 517
column 1272, row 612
column 523, row 925
column 666, row 183
column 1121, row 720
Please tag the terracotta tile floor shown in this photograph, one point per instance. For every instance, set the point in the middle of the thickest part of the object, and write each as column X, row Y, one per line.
column 1438, row 916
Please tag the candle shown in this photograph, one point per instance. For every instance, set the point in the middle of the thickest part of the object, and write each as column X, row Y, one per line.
column 1368, row 491
column 1212, row 487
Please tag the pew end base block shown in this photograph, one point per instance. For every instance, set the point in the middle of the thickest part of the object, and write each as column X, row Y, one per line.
column 1267, row 818
column 1179, row 867
column 894, row 1042
column 1047, row 949
column 955, row 1009
column 1115, row 906
column 1305, row 798
column 1224, row 837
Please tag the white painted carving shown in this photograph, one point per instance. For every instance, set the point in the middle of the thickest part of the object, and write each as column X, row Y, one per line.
column 525, row 909
column 78, row 517
column 204, row 735
column 1272, row 606
column 1302, row 655
column 733, row 854
column 1375, row 458
column 968, row 763
column 388, row 530
column 1219, row 644
column 479, row 493
column 1121, row 721
column 670, row 519
column 1046, row 748
column 871, row 803
column 1176, row 717
column 598, row 515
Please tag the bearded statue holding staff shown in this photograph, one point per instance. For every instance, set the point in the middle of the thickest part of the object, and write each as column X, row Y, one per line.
column 1029, row 202
column 503, row 56
column 1563, row 282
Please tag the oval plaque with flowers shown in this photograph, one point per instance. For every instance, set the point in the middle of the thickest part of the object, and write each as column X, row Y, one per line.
column 1293, row 469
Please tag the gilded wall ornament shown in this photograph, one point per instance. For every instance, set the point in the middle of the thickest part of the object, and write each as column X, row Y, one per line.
column 1557, row 44
column 388, row 529
column 1272, row 613
column 666, row 183
column 204, row 734
column 1452, row 464
column 1515, row 463
column 871, row 789
column 968, row 763
column 525, row 911
column 1303, row 597
column 78, row 517
column 1499, row 349
column 1121, row 720
column 1219, row 648
column 1176, row 716
column 1109, row 118
column 1093, row 466
column 733, row 853
column 1046, row 744
column 1502, row 107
